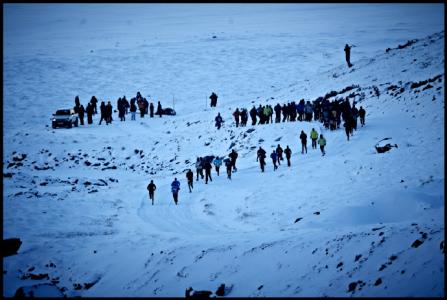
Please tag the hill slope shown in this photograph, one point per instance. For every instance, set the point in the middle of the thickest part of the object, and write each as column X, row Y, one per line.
column 84, row 222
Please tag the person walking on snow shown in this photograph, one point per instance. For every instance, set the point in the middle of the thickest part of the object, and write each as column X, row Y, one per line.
column 314, row 137
column 322, row 143
column 151, row 187
column 228, row 166
column 261, row 157
column 279, row 152
column 190, row 178
column 175, row 187
column 233, row 156
column 288, row 153
column 218, row 120
column 199, row 168
column 213, row 98
column 207, row 166
column 348, row 54
column 303, row 138
column 217, row 163
column 362, row 113
column 274, row 157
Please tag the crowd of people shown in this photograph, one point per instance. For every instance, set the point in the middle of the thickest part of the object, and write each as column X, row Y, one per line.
column 206, row 163
column 123, row 106
column 330, row 113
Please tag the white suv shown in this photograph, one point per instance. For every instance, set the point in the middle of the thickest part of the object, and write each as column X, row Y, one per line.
column 65, row 118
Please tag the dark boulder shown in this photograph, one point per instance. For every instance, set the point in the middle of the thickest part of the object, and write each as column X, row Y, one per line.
column 11, row 246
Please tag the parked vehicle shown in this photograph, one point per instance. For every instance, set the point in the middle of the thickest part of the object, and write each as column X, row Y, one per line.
column 65, row 118
column 168, row 111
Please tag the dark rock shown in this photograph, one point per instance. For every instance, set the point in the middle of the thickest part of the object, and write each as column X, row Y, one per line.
column 10, row 246
column 393, row 257
column 221, row 290
column 416, row 243
column 38, row 276
column 260, row 287
column 87, row 163
column 357, row 257
column 7, row 175
column 352, row 286
column 340, row 264
column 441, row 246
column 316, row 213
column 201, row 294
column 382, row 267
column 298, row 219
column 43, row 183
column 250, row 130
column 87, row 183
column 378, row 282
column 77, row 286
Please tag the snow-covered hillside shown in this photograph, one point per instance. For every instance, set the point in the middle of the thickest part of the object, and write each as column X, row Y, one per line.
column 351, row 223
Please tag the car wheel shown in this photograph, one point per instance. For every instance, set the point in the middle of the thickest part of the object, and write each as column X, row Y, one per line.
column 70, row 125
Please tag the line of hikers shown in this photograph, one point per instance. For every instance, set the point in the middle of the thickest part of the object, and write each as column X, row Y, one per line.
column 123, row 106
column 206, row 163
column 327, row 112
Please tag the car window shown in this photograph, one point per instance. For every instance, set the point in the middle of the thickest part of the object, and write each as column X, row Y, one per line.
column 62, row 112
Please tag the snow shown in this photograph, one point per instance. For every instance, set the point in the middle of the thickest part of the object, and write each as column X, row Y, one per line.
column 92, row 225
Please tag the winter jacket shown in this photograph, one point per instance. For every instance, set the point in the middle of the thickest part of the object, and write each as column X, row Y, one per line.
column 151, row 187
column 199, row 165
column 314, row 134
column 217, row 162
column 322, row 142
column 288, row 152
column 303, row 137
column 175, row 186
column 273, row 156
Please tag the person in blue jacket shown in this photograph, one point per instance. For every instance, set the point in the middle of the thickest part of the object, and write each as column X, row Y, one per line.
column 217, row 163
column 218, row 120
column 175, row 187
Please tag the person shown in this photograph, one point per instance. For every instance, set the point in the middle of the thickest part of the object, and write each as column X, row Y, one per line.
column 175, row 187
column 288, row 153
column 244, row 117
column 217, row 163
column 347, row 126
column 314, row 137
column 229, row 166
column 348, row 55
column 277, row 109
column 122, row 110
column 362, row 113
column 141, row 107
column 151, row 110
column 190, row 178
column 274, row 157
column 261, row 157
column 126, row 104
column 159, row 109
column 109, row 110
column 322, row 143
column 133, row 109
column 77, row 105
column 355, row 115
column 253, row 114
column 218, row 120
column 81, row 114
column 207, row 166
column 236, row 115
column 94, row 102
column 233, row 156
column 303, row 138
column 279, row 152
column 199, row 168
column 103, row 112
column 89, row 111
column 151, row 187
column 213, row 98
